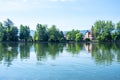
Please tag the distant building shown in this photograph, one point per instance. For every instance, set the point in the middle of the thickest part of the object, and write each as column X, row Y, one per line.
column 89, row 35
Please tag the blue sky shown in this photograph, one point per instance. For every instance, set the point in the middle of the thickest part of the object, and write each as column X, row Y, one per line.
column 65, row 14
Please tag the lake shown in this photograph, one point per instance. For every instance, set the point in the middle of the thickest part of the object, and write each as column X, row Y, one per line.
column 53, row 61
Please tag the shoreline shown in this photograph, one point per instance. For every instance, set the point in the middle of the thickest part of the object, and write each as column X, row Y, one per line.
column 93, row 41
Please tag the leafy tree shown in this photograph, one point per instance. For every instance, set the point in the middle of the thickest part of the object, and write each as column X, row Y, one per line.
column 41, row 33
column 98, row 27
column 24, row 33
column 74, row 35
column 118, row 26
column 102, row 30
column 68, row 35
column 54, row 34
column 78, row 37
column 35, row 36
column 115, row 36
column 14, row 34
column 109, row 27
column 8, row 23
column 10, row 31
column 61, row 36
column 1, row 32
column 118, row 31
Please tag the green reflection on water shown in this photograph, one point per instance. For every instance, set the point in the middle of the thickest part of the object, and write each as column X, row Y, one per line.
column 8, row 52
column 106, row 53
column 25, row 50
column 100, row 53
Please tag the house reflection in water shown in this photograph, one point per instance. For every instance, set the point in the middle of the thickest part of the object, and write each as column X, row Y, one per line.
column 88, row 47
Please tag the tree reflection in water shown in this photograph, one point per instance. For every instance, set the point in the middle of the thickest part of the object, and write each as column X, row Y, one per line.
column 106, row 53
column 25, row 50
column 100, row 53
column 74, row 48
column 8, row 52
column 43, row 50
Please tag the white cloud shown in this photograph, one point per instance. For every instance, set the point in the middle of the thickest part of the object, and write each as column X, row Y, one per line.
column 17, row 5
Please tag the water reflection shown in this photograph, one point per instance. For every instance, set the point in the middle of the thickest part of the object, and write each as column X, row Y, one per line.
column 106, row 53
column 74, row 48
column 8, row 52
column 100, row 53
column 44, row 49
column 88, row 47
column 25, row 50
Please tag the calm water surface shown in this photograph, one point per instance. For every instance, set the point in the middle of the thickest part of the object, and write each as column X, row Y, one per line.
column 51, row 61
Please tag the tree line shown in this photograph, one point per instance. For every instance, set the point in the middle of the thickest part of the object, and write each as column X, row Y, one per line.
column 101, row 30
column 106, row 31
column 9, row 32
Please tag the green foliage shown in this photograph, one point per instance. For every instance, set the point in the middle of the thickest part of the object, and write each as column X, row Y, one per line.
column 71, row 35
column 8, row 23
column 98, row 28
column 13, row 33
column 10, row 32
column 24, row 33
column 51, row 34
column 102, row 30
column 41, row 33
column 115, row 36
column 74, row 35
column 1, row 32
column 54, row 34
column 35, row 36
column 118, row 26
column 61, row 36
column 78, row 37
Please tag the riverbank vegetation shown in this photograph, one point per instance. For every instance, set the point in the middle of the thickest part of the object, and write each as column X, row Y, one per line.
column 101, row 30
column 106, row 31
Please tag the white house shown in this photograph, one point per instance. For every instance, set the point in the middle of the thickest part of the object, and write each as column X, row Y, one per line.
column 89, row 35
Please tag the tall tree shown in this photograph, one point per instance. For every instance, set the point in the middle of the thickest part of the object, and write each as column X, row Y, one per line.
column 41, row 32
column 14, row 34
column 24, row 33
column 78, row 36
column 8, row 23
column 102, row 30
column 98, row 28
column 53, row 33
column 117, row 36
column 61, row 36
column 10, row 32
column 73, row 35
column 118, row 26
column 1, row 32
